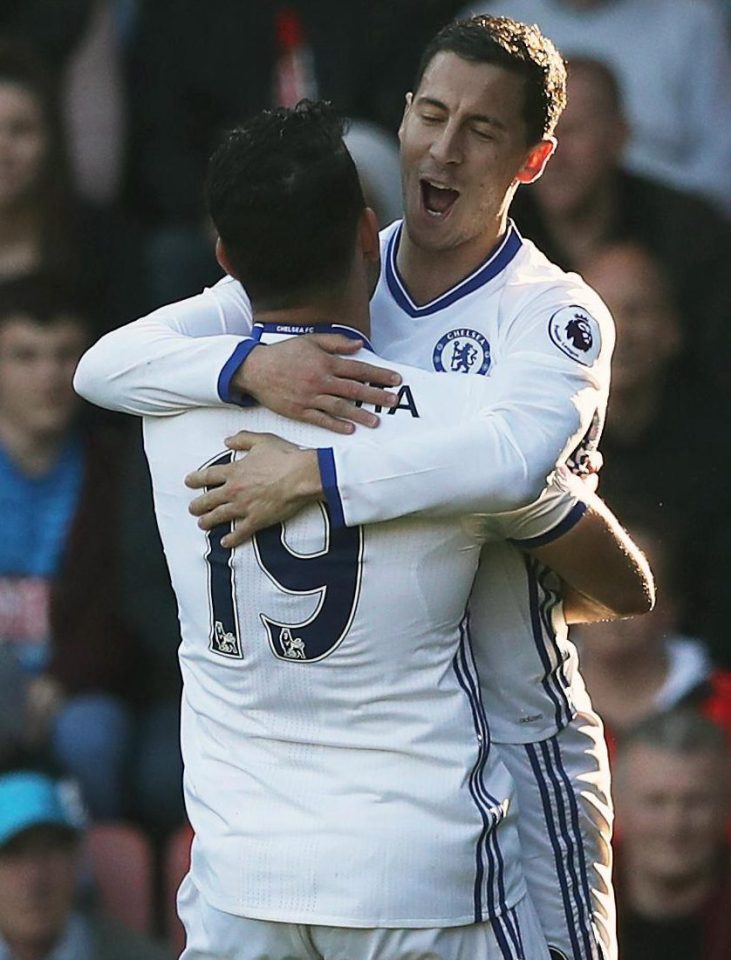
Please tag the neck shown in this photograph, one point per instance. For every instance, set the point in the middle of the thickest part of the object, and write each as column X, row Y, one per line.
column 350, row 309
column 428, row 273
column 660, row 897
column 34, row 454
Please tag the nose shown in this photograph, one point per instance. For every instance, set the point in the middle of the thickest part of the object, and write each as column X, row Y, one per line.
column 446, row 147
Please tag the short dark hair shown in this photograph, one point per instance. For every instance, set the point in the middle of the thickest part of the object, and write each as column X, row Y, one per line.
column 284, row 195
column 514, row 46
column 42, row 298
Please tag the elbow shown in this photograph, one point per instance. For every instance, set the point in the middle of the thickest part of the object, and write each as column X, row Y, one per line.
column 635, row 598
column 85, row 381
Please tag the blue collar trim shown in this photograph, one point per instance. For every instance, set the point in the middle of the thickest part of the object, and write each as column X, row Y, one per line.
column 299, row 329
column 495, row 264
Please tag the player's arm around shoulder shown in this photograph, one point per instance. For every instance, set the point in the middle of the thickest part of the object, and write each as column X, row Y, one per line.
column 170, row 360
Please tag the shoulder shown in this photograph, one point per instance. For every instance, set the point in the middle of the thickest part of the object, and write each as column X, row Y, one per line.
column 225, row 303
column 538, row 291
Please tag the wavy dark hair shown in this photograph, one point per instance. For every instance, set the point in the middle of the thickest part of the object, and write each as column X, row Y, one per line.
column 514, row 46
column 284, row 195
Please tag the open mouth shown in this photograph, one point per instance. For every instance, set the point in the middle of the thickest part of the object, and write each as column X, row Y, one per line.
column 438, row 201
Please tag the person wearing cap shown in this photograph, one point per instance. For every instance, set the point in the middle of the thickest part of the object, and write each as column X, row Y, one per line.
column 41, row 829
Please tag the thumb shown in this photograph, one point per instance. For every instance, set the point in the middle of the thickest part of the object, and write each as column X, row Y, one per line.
column 336, row 342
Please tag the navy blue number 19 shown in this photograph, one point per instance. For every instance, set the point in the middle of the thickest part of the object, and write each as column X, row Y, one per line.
column 332, row 576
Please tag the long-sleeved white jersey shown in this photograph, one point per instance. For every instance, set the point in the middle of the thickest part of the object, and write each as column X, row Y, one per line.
column 541, row 339
column 338, row 765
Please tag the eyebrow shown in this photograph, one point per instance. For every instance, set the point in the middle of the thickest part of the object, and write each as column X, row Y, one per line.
column 479, row 117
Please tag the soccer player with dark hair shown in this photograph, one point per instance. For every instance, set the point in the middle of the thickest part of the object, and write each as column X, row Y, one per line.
column 460, row 291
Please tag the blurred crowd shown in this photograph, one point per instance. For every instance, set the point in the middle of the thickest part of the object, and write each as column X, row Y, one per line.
column 108, row 112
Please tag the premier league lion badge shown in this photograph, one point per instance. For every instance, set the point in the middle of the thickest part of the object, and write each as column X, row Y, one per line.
column 576, row 333
column 462, row 351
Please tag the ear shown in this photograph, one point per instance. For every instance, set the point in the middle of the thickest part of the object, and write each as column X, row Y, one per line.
column 408, row 100
column 368, row 239
column 223, row 259
column 536, row 160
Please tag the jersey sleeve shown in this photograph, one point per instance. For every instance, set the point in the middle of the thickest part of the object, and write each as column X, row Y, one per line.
column 533, row 410
column 180, row 356
column 560, row 507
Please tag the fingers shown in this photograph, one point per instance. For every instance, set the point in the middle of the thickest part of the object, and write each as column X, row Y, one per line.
column 208, row 501
column 243, row 440
column 244, row 530
column 320, row 419
column 360, row 392
column 208, row 477
column 365, row 373
column 345, row 410
column 336, row 342
column 226, row 513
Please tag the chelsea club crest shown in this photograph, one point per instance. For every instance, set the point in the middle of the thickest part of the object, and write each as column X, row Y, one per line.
column 462, row 351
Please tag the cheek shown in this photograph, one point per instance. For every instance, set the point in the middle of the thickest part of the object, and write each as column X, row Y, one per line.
column 18, row 385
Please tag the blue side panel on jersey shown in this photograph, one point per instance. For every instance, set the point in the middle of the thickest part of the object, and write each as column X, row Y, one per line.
column 329, row 477
column 561, row 816
column 495, row 264
column 507, row 934
column 228, row 370
column 568, row 522
column 550, row 600
column 556, row 844
column 550, row 682
column 573, row 810
column 471, row 673
column 489, row 857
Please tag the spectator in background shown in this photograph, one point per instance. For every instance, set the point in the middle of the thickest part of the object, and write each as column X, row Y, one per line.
column 586, row 200
column 43, row 224
column 60, row 574
column 79, row 42
column 673, row 878
column 638, row 668
column 673, row 63
column 666, row 438
column 41, row 834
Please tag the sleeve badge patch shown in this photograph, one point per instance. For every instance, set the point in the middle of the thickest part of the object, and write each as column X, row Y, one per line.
column 576, row 333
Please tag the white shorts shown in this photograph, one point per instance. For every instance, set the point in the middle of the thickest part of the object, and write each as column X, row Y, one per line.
column 214, row 935
column 565, row 826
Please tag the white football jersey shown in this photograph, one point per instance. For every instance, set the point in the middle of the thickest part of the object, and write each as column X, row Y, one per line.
column 539, row 337
column 338, row 767
column 544, row 333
